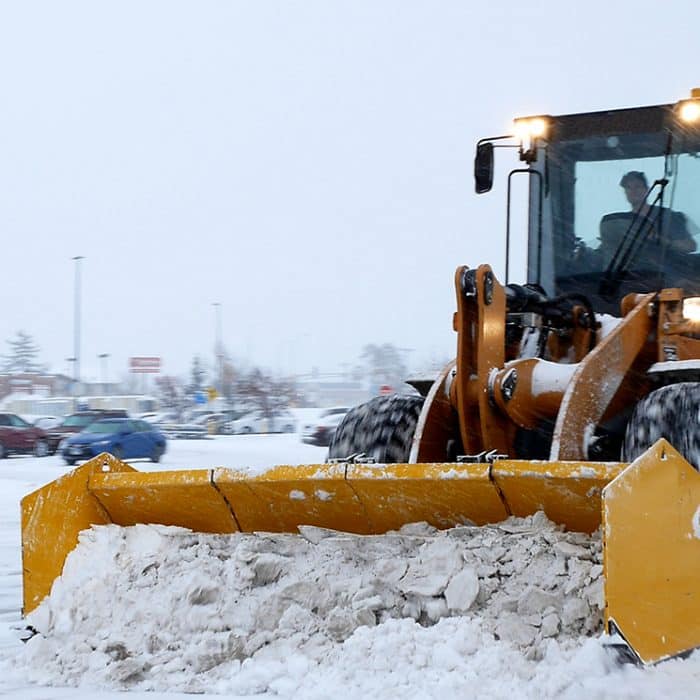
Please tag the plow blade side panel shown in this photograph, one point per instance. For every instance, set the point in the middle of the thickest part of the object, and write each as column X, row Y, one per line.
column 443, row 495
column 185, row 498
column 569, row 493
column 285, row 497
column 651, row 528
column 52, row 517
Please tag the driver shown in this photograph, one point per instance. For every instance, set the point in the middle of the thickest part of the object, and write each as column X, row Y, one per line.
column 656, row 225
column 678, row 235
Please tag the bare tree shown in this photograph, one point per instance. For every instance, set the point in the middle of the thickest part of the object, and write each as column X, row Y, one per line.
column 384, row 364
column 263, row 392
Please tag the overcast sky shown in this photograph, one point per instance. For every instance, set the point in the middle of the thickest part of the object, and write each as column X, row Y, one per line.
column 307, row 165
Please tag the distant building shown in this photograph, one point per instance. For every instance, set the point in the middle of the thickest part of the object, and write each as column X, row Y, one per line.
column 34, row 384
column 330, row 390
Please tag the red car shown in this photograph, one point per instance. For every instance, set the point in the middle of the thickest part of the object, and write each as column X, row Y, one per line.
column 19, row 437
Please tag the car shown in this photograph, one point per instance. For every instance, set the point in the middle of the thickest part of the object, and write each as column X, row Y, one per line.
column 212, row 422
column 45, row 422
column 125, row 438
column 257, row 422
column 78, row 421
column 322, row 431
column 19, row 437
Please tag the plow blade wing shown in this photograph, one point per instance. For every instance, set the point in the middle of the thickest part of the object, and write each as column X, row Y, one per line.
column 651, row 521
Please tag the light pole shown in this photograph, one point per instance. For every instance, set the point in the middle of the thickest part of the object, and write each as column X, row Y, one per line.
column 76, row 319
column 103, row 357
column 218, row 350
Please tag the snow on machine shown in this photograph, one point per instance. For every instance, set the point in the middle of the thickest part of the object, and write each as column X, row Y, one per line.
column 576, row 394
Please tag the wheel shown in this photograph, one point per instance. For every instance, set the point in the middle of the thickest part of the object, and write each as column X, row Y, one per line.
column 70, row 462
column 670, row 412
column 382, row 428
column 117, row 452
column 157, row 453
column 41, row 448
column 3, row 451
column 246, row 430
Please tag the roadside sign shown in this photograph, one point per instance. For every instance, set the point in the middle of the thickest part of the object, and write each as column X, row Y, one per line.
column 144, row 365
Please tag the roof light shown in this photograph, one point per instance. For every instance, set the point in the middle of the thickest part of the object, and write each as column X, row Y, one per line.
column 530, row 128
column 527, row 131
column 689, row 111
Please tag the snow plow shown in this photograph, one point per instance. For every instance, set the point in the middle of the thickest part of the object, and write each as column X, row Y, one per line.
column 576, row 393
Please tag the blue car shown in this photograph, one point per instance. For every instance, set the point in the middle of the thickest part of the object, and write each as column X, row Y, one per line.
column 124, row 438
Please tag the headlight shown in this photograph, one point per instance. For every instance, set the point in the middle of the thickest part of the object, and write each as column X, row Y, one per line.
column 691, row 308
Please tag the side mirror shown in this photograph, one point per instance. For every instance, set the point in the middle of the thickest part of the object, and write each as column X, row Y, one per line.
column 483, row 167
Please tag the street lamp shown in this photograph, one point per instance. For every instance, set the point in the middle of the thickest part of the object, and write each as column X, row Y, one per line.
column 76, row 318
column 103, row 357
column 218, row 349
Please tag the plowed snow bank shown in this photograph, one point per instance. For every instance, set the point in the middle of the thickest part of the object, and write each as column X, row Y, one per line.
column 155, row 607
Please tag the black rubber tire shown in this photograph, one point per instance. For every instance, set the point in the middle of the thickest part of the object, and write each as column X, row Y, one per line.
column 382, row 428
column 41, row 448
column 157, row 454
column 3, row 451
column 70, row 462
column 670, row 412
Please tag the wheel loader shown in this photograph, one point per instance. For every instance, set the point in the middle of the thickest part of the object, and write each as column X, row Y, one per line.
column 575, row 392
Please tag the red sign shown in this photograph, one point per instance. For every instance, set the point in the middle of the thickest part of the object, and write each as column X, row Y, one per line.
column 144, row 365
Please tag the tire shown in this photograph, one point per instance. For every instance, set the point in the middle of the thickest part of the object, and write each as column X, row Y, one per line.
column 382, row 428
column 246, row 430
column 157, row 454
column 117, row 452
column 670, row 412
column 3, row 451
column 69, row 462
column 41, row 448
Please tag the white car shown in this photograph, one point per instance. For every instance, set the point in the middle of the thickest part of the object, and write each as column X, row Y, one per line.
column 257, row 422
column 321, row 432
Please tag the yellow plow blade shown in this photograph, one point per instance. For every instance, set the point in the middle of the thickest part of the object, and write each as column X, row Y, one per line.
column 651, row 512
column 568, row 492
column 651, row 520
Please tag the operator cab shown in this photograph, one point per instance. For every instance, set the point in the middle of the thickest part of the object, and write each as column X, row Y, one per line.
column 613, row 205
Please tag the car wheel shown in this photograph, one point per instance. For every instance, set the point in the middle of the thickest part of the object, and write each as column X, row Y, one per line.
column 246, row 430
column 41, row 448
column 117, row 452
column 69, row 462
column 3, row 451
column 157, row 453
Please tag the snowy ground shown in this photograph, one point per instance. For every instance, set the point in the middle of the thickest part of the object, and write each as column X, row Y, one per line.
column 160, row 612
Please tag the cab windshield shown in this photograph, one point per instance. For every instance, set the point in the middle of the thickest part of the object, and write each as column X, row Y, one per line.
column 621, row 214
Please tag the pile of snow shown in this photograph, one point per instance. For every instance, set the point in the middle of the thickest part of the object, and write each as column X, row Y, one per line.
column 161, row 608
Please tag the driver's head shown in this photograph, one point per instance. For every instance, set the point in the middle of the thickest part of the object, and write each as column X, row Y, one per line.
column 635, row 185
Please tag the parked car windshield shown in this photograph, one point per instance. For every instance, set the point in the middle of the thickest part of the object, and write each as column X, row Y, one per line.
column 107, row 427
